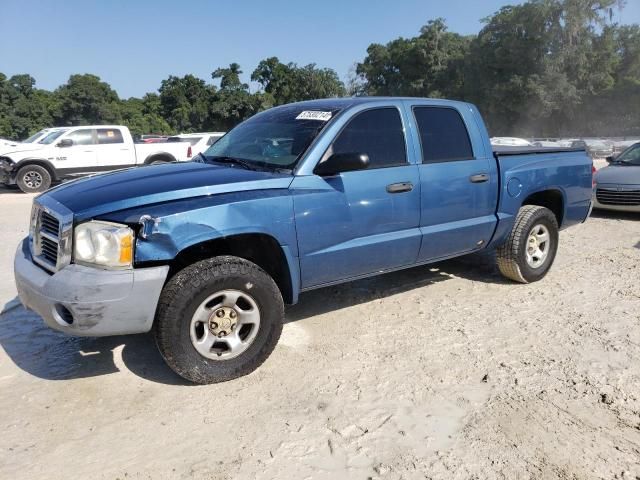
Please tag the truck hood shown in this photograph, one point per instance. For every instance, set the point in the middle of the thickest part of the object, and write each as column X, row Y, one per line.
column 619, row 175
column 111, row 192
column 20, row 151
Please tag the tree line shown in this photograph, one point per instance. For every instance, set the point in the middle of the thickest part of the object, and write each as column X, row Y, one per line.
column 544, row 68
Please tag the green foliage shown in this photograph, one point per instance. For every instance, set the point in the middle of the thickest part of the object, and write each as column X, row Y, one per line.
column 540, row 68
column 286, row 83
column 85, row 99
column 184, row 102
column 143, row 115
column 428, row 65
column 23, row 108
column 233, row 102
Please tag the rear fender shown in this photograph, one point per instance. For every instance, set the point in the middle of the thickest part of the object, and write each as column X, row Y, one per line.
column 522, row 176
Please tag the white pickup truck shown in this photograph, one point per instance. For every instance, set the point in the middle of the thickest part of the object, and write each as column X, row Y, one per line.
column 76, row 151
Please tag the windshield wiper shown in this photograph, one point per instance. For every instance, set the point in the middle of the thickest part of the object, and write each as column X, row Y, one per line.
column 233, row 161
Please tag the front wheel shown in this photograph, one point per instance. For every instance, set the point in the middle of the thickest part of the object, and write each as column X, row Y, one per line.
column 531, row 248
column 33, row 179
column 218, row 319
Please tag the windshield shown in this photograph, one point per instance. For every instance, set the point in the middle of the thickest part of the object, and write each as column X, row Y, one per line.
column 34, row 137
column 631, row 156
column 273, row 139
column 52, row 137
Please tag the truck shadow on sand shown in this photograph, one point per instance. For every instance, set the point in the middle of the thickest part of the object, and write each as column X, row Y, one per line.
column 614, row 215
column 6, row 190
column 51, row 355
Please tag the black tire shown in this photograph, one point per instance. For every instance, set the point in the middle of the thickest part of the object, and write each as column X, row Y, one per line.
column 511, row 257
column 184, row 293
column 33, row 179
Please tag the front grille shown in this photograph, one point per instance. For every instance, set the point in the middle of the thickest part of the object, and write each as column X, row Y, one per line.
column 49, row 250
column 50, row 235
column 49, row 224
column 627, row 198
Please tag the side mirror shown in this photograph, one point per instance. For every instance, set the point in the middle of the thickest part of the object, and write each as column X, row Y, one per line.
column 65, row 142
column 342, row 162
column 610, row 159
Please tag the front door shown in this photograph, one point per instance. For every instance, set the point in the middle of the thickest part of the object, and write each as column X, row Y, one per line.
column 360, row 222
column 80, row 157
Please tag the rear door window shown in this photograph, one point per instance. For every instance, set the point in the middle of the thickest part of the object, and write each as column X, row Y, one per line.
column 107, row 136
column 443, row 135
column 377, row 133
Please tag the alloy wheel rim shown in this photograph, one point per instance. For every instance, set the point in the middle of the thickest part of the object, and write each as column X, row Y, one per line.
column 225, row 325
column 538, row 246
column 33, row 179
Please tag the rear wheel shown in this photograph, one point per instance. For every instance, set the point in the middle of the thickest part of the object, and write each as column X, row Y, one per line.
column 218, row 319
column 531, row 248
column 33, row 179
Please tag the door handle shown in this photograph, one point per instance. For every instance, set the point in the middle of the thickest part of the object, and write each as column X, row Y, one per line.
column 479, row 178
column 400, row 187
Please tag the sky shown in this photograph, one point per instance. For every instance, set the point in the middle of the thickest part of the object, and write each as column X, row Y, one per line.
column 135, row 44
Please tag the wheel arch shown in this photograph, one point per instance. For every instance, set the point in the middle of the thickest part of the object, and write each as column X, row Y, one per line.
column 159, row 157
column 551, row 198
column 259, row 248
column 36, row 161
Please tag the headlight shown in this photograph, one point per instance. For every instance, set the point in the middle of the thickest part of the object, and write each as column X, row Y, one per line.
column 32, row 220
column 103, row 244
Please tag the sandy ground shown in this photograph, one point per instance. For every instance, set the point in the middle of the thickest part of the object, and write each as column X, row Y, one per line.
column 446, row 371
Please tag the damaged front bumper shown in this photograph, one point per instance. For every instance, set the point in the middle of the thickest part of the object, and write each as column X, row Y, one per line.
column 86, row 301
column 6, row 172
column 6, row 178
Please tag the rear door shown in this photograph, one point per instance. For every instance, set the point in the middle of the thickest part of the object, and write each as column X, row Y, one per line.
column 458, row 179
column 112, row 150
column 360, row 222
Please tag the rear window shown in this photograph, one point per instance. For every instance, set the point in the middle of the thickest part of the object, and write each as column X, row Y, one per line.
column 109, row 135
column 443, row 135
column 213, row 139
column 191, row 140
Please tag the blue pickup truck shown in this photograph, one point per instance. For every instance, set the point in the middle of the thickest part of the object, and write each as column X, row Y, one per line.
column 298, row 197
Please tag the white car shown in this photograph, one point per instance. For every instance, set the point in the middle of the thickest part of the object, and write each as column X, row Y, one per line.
column 5, row 143
column 36, row 137
column 510, row 142
column 33, row 139
column 75, row 151
column 198, row 142
column 547, row 144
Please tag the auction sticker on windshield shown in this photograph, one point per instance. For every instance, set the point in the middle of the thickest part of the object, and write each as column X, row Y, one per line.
column 314, row 115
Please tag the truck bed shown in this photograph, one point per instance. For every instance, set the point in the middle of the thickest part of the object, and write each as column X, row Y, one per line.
column 526, row 171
